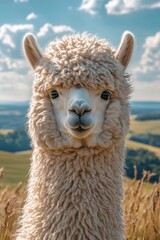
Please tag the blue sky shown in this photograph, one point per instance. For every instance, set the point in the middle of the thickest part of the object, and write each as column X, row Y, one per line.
column 49, row 19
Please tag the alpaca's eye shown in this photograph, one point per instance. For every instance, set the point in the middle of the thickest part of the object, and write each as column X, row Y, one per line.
column 54, row 94
column 105, row 95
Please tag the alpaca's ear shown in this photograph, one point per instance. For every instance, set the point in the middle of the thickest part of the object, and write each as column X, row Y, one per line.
column 31, row 50
column 125, row 49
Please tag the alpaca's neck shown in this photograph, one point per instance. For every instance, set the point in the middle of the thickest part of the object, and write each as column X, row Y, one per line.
column 74, row 196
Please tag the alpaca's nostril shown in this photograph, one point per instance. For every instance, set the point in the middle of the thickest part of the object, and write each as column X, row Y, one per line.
column 85, row 111
column 79, row 107
column 79, row 111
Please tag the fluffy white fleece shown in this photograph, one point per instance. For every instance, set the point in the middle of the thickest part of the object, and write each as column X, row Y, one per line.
column 76, row 193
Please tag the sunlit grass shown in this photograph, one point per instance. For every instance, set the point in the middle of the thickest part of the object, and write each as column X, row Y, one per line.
column 137, row 145
column 15, row 167
column 142, row 210
column 141, row 203
column 145, row 126
column 6, row 131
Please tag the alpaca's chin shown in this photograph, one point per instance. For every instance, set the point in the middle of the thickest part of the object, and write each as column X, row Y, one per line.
column 80, row 133
column 84, row 138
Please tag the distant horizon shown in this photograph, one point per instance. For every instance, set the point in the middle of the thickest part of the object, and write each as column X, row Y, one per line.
column 27, row 102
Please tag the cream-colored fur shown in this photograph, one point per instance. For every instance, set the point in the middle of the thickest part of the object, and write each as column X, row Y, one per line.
column 75, row 188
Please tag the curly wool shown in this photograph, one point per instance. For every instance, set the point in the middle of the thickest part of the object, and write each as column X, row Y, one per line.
column 81, row 60
column 74, row 197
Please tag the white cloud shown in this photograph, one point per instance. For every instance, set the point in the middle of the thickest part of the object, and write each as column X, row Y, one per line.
column 31, row 16
column 15, row 86
column 146, row 75
column 55, row 29
column 146, row 91
column 149, row 65
column 44, row 30
column 21, row 1
column 10, row 46
column 15, row 27
column 14, row 77
column 125, row 6
column 7, row 40
column 8, row 63
column 8, row 30
column 62, row 28
column 89, row 6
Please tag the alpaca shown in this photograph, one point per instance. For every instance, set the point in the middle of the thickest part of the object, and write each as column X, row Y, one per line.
column 78, row 120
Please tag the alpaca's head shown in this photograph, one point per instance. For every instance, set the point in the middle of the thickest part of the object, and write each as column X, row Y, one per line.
column 80, row 94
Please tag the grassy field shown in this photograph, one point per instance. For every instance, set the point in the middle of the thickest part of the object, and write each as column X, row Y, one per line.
column 137, row 145
column 138, row 127
column 15, row 166
column 5, row 131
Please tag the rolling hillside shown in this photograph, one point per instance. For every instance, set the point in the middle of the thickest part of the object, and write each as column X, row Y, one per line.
column 137, row 145
column 16, row 165
column 144, row 126
column 138, row 127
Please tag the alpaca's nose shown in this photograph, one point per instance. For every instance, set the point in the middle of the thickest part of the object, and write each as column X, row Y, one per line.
column 79, row 107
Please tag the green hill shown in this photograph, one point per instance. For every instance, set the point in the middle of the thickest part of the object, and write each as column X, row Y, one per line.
column 137, row 145
column 15, row 166
column 138, row 127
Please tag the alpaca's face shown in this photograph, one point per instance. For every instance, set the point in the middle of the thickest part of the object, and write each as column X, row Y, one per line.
column 80, row 112
column 91, row 106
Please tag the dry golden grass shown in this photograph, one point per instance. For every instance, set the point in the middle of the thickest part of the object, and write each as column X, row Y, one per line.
column 142, row 209
column 11, row 200
column 137, row 145
column 6, row 131
column 145, row 126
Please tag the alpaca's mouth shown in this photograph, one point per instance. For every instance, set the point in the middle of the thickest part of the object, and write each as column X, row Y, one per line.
column 80, row 132
column 80, row 129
